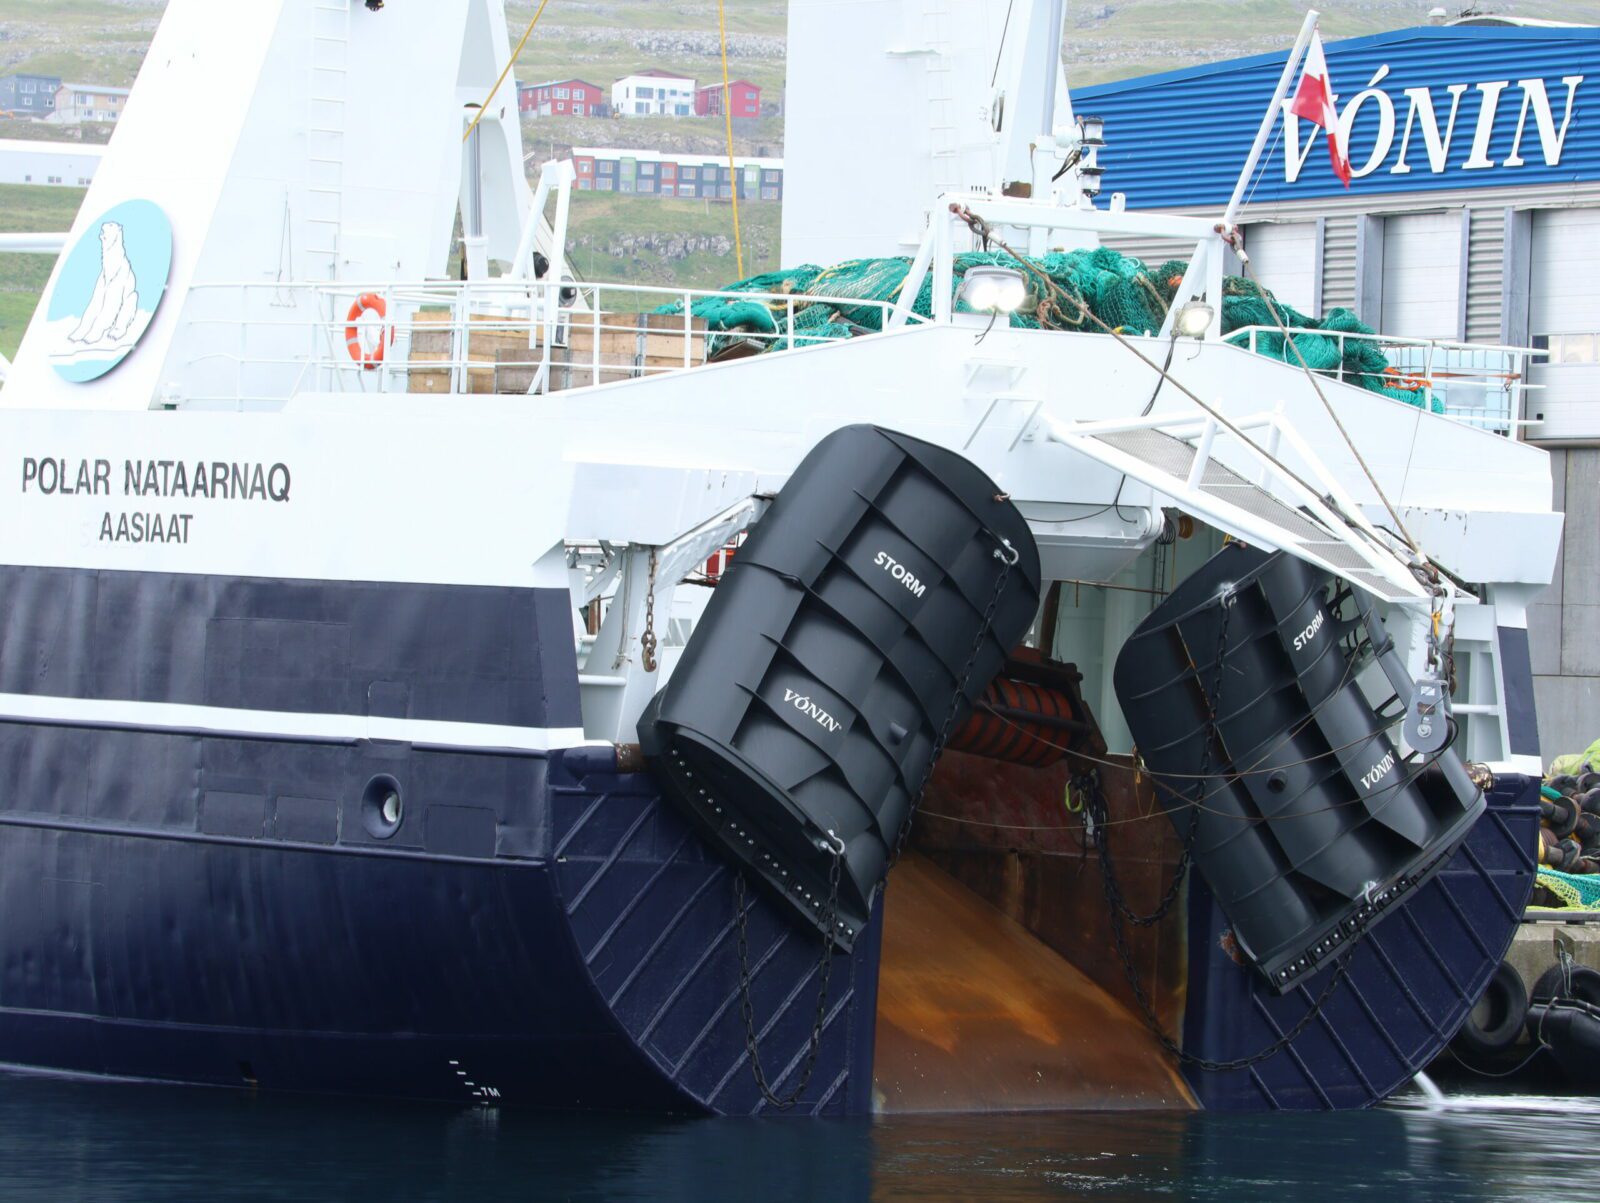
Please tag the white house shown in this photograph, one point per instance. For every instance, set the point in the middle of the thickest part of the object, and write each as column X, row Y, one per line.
column 653, row 93
column 67, row 164
column 78, row 103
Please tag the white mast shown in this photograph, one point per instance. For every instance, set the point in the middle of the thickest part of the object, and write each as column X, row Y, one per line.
column 891, row 102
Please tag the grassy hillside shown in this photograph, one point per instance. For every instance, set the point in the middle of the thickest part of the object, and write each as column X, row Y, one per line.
column 676, row 135
column 602, row 40
column 104, row 40
column 683, row 243
column 23, row 208
column 1114, row 40
column 87, row 41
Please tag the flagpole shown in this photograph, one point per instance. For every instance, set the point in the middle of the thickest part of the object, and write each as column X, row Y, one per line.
column 1271, row 117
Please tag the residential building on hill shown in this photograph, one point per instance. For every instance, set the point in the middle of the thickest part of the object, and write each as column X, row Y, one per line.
column 28, row 95
column 78, row 103
column 744, row 97
column 653, row 93
column 611, row 169
column 562, row 98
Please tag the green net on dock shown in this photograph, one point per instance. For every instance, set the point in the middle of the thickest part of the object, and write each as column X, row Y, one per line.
column 813, row 304
column 1577, row 892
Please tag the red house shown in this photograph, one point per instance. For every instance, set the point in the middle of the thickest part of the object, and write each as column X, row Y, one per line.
column 744, row 95
column 561, row 98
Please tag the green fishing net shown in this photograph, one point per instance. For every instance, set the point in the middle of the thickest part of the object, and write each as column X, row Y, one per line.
column 1118, row 289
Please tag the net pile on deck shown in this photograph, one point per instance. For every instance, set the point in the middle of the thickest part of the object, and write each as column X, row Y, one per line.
column 1118, row 289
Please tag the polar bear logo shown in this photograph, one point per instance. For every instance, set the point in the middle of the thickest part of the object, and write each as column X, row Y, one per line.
column 115, row 305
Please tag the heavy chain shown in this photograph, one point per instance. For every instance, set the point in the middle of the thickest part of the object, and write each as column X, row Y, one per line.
column 647, row 641
column 1091, row 785
column 1095, row 807
column 1008, row 556
column 830, row 917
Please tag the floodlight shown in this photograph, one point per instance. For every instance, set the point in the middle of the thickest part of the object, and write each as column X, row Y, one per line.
column 990, row 289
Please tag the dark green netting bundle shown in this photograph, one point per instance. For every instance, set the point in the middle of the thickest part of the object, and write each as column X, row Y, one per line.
column 1119, row 290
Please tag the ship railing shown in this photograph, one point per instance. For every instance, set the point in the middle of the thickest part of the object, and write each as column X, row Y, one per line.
column 488, row 336
column 1482, row 384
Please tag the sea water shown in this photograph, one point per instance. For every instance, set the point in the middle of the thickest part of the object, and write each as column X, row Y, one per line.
column 81, row 1140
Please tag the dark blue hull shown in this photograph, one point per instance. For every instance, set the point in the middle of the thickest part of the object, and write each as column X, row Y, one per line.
column 537, row 929
column 603, row 976
column 1407, row 989
column 201, row 907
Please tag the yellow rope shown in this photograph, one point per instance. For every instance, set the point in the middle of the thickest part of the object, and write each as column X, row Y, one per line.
column 510, row 62
column 727, row 119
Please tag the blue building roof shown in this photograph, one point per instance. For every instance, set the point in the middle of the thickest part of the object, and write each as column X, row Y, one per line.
column 1526, row 105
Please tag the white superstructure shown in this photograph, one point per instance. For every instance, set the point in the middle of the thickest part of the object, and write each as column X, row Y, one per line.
column 305, row 318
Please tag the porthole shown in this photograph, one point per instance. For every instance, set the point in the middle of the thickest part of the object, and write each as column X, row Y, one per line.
column 383, row 807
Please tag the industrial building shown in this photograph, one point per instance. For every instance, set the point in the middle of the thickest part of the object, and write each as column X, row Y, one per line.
column 65, row 164
column 1474, row 214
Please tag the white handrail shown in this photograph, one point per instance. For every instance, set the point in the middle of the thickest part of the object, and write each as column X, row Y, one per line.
column 461, row 312
column 1435, row 369
column 34, row 244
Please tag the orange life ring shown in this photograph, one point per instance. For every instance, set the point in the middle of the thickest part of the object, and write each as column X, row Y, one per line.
column 367, row 302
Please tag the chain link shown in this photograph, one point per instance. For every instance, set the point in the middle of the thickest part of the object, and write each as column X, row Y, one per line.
column 647, row 641
column 830, row 917
column 1091, row 785
column 1095, row 809
column 1008, row 556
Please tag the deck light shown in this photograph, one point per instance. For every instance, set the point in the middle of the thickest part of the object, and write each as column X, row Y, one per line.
column 1194, row 319
column 1091, row 131
column 994, row 289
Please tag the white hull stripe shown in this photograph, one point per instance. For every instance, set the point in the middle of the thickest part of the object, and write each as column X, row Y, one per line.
column 285, row 725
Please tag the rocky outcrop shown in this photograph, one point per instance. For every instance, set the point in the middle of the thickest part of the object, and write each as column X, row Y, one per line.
column 667, row 247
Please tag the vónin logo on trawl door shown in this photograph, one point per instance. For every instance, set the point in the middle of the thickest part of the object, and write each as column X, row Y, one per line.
column 108, row 290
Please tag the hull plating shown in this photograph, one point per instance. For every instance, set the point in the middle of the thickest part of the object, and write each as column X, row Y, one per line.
column 228, row 909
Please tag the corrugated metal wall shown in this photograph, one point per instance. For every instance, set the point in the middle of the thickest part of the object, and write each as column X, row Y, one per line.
column 1339, row 263
column 1153, row 251
column 1181, row 137
column 1486, row 243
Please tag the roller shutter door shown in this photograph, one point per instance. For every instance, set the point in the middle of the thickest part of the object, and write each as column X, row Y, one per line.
column 1485, row 274
column 1338, row 263
column 1283, row 256
column 1564, row 315
column 1422, row 275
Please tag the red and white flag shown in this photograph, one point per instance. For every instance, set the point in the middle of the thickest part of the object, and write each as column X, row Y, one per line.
column 1313, row 100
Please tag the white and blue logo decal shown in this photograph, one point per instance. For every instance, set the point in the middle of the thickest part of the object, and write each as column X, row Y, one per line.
column 109, row 288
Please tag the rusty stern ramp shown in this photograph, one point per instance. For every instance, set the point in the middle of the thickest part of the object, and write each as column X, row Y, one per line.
column 975, row 1014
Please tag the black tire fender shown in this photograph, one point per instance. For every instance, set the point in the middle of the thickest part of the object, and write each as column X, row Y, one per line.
column 1495, row 1021
column 1585, row 985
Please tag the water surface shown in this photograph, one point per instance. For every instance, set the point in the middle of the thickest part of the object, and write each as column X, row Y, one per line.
column 77, row 1140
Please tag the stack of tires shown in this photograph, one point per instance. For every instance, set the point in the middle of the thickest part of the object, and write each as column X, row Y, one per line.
column 1569, row 822
column 1496, row 1024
